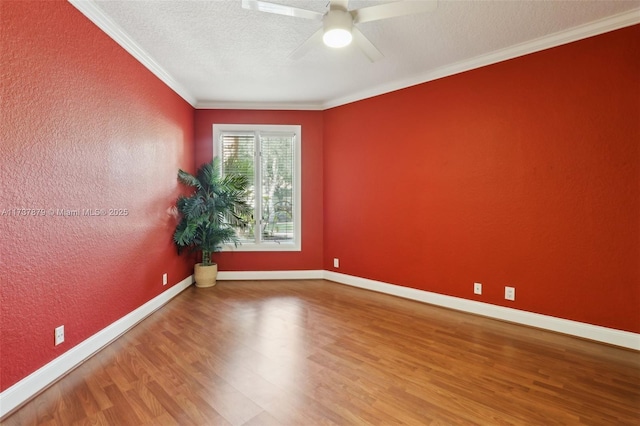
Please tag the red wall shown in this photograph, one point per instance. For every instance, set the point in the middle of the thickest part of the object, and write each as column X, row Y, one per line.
column 84, row 126
column 310, row 258
column 524, row 173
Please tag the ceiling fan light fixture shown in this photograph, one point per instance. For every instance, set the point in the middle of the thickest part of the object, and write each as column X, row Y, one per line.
column 337, row 29
column 337, row 38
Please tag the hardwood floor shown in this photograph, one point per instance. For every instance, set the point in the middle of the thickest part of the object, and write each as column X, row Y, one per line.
column 263, row 353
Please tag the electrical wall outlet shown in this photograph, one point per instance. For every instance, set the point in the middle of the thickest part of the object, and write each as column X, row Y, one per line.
column 164, row 279
column 59, row 335
column 477, row 288
column 510, row 293
column 336, row 262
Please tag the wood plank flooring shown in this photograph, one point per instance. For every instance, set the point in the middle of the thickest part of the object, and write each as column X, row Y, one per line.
column 265, row 353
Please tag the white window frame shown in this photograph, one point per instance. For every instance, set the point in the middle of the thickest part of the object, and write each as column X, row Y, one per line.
column 260, row 245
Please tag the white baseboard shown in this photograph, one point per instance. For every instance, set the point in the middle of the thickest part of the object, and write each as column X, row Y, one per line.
column 271, row 275
column 31, row 385
column 611, row 336
column 40, row 379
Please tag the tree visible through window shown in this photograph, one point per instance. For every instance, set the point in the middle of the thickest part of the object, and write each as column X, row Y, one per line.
column 270, row 157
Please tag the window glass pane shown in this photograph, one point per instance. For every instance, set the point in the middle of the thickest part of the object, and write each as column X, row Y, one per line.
column 238, row 157
column 277, row 186
column 269, row 156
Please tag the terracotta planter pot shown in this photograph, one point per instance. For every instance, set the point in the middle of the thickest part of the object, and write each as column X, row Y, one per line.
column 205, row 276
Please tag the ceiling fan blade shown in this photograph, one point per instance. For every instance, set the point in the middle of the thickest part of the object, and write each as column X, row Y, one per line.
column 392, row 10
column 339, row 5
column 280, row 9
column 366, row 46
column 302, row 50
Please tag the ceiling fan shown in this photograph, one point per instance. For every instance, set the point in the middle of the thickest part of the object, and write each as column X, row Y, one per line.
column 339, row 23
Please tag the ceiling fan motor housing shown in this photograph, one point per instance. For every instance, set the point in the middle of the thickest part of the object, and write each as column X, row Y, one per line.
column 337, row 26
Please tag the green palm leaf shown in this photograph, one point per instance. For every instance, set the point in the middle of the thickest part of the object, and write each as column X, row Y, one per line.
column 188, row 179
column 210, row 215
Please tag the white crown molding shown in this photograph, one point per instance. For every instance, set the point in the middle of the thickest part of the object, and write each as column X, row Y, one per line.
column 21, row 392
column 259, row 106
column 97, row 16
column 591, row 29
column 597, row 333
column 89, row 9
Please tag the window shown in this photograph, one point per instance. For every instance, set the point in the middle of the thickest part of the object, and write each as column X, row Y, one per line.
column 270, row 157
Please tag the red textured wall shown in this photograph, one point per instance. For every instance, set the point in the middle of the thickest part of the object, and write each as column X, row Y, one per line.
column 310, row 258
column 84, row 126
column 524, row 173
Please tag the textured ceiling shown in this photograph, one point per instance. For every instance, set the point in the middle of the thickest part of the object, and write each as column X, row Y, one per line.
column 216, row 54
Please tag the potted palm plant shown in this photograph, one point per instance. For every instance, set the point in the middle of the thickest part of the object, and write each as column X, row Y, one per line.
column 208, row 218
